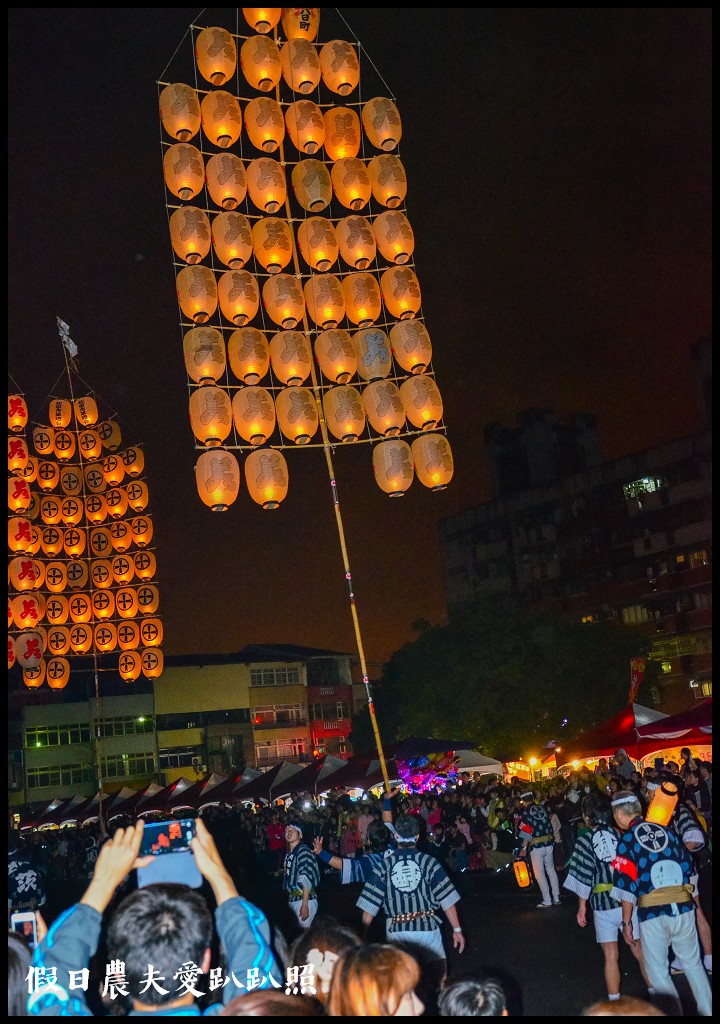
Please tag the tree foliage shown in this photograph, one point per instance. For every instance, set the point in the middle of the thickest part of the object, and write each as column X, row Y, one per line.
column 503, row 676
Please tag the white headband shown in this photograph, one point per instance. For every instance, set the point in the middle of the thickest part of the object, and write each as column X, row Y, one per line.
column 629, row 798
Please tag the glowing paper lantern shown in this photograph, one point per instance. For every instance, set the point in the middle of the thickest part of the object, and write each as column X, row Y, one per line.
column 210, row 415
column 522, row 874
column 11, row 652
column 183, row 170
column 248, row 354
column 57, row 673
column 272, row 242
column 336, row 355
column 324, row 300
column 145, row 563
column 105, row 636
column 297, row 414
column 23, row 572
column 134, row 460
column 113, row 469
column 239, row 296
column 27, row 610
column 253, row 415
column 232, row 240
column 101, row 572
column 344, row 413
column 266, row 184
column 217, row 476
column 215, row 55
column 300, row 22
column 433, row 461
column 60, row 413
column 262, row 19
column 422, row 401
column 64, row 445
column 394, row 236
column 123, row 570
column 312, row 185
column 35, row 541
column 226, row 180
column 117, row 502
column 264, row 123
column 381, row 121
column 96, row 509
column 317, row 242
column 411, row 345
column 204, row 352
column 17, row 455
column 221, row 118
column 197, row 293
column 17, row 413
column 356, row 241
column 81, row 638
column 19, row 496
column 58, row 640
column 190, row 234
column 662, row 805
column 33, row 677
column 103, row 604
column 51, row 510
column 19, row 534
column 290, row 357
column 130, row 665
column 401, row 292
column 283, row 300
column 384, row 407
column 71, row 511
column 78, row 574
column 342, row 133
column 52, row 543
column 393, row 467
column 180, row 111
column 374, row 358
column 305, row 126
column 95, row 481
column 48, row 475
column 387, row 180
column 29, row 471
column 339, row 66
column 152, row 663
column 266, row 476
column 260, row 63
column 300, row 65
column 137, row 495
column 351, row 183
column 126, row 602
column 148, row 599
column 89, row 444
column 361, row 294
column 110, row 435
column 43, row 440
column 80, row 608
column 70, row 480
column 121, row 536
column 151, row 632
column 128, row 635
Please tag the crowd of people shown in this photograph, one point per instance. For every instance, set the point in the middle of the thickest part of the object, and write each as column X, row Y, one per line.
column 174, row 950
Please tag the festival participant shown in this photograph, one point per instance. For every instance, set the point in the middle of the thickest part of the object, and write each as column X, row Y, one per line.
column 690, row 831
column 472, row 997
column 275, row 834
column 301, row 876
column 590, row 877
column 411, row 887
column 625, row 1006
column 537, row 836
column 623, row 766
column 166, row 926
column 360, row 868
column 375, row 980
column 319, row 947
column 652, row 869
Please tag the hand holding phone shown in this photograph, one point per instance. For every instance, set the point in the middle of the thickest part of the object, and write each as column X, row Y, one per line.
column 161, row 837
column 24, row 923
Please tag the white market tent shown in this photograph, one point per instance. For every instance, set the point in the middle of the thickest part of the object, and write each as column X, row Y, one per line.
column 473, row 762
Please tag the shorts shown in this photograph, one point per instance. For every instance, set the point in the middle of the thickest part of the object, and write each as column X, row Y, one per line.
column 431, row 942
column 609, row 922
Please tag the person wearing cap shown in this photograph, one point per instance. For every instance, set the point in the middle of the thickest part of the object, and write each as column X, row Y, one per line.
column 412, row 887
column 301, row 875
column 651, row 870
column 590, row 877
column 623, row 765
column 537, row 836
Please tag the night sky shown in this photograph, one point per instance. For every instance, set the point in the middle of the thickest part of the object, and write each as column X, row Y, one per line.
column 558, row 166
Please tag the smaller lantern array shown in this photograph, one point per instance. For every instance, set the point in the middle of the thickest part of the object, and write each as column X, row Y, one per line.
column 80, row 562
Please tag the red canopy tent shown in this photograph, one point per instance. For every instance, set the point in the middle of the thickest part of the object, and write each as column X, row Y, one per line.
column 159, row 802
column 691, row 726
column 619, row 731
column 256, row 788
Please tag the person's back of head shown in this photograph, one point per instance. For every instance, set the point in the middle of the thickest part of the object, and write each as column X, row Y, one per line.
column 597, row 809
column 165, row 925
column 407, row 829
column 19, row 960
column 472, row 997
column 373, row 980
column 320, row 946
column 625, row 1006
column 270, row 1003
column 378, row 836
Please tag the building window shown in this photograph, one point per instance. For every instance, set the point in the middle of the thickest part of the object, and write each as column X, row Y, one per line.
column 57, row 735
column 646, row 485
column 64, row 775
column 289, row 713
column 278, row 750
column 698, row 559
column 128, row 725
column 706, row 689
column 638, row 613
column 127, row 764
column 274, row 676
column 177, row 757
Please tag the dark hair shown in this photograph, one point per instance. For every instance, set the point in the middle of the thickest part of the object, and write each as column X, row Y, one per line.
column 472, row 998
column 378, row 836
column 407, row 826
column 596, row 807
column 19, row 960
column 164, row 925
column 323, row 936
column 267, row 1003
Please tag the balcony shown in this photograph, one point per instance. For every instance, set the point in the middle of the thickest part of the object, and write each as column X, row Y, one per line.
column 280, row 723
column 269, row 761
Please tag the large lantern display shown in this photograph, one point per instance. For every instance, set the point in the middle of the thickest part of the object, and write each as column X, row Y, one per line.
column 87, row 495
column 302, row 323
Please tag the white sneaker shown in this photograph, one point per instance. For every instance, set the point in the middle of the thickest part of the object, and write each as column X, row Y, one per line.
column 556, row 903
column 543, row 906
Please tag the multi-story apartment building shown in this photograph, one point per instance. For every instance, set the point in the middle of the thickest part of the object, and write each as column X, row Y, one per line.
column 628, row 540
column 211, row 713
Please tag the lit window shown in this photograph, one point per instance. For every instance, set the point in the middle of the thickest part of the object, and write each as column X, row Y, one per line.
column 666, row 666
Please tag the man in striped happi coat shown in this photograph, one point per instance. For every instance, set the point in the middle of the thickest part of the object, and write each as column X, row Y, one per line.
column 301, row 876
column 590, row 877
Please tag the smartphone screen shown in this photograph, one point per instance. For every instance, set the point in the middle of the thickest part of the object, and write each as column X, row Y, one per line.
column 24, row 924
column 167, row 837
